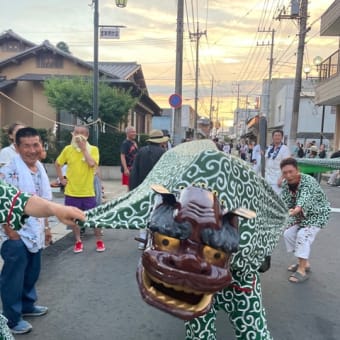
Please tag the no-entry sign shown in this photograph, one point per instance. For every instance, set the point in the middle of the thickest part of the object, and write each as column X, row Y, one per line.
column 175, row 100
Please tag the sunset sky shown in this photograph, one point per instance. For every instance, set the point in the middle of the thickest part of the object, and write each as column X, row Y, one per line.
column 234, row 52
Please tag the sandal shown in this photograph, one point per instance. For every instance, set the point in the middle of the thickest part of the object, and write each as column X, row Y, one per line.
column 298, row 278
column 293, row 268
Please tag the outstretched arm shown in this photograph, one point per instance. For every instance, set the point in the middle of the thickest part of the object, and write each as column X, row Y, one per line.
column 39, row 207
column 14, row 204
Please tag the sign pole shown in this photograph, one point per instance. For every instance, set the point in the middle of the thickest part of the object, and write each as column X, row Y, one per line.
column 175, row 101
column 173, row 124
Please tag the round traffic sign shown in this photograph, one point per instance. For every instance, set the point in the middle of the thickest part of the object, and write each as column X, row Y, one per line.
column 175, row 100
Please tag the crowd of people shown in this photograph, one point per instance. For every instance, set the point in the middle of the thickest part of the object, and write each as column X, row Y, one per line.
column 249, row 150
column 21, row 167
column 310, row 150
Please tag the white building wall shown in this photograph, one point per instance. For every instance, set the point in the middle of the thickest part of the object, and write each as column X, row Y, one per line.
column 283, row 108
column 187, row 117
column 310, row 115
column 165, row 122
column 310, row 119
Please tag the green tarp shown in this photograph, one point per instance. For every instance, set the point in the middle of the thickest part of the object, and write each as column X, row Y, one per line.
column 317, row 165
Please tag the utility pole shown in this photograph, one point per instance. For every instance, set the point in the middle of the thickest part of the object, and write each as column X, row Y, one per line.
column 322, row 124
column 236, row 120
column 196, row 37
column 115, row 35
column 211, row 99
column 238, row 109
column 217, row 109
column 263, row 119
column 300, row 13
column 179, row 73
column 298, row 72
column 95, row 114
column 238, row 96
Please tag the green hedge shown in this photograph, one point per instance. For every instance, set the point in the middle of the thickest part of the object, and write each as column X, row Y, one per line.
column 109, row 146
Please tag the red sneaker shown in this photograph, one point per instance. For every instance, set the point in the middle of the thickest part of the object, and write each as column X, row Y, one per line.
column 78, row 247
column 100, row 246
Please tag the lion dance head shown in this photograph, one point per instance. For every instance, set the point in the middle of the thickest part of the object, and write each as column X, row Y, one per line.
column 189, row 246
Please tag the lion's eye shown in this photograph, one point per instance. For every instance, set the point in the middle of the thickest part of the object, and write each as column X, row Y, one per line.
column 165, row 243
column 214, row 256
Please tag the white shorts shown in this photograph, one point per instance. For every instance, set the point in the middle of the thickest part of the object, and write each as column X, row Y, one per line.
column 299, row 240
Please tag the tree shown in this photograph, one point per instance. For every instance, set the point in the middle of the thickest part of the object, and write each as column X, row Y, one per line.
column 63, row 46
column 74, row 95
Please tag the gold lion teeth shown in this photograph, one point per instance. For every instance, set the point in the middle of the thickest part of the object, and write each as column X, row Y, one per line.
column 205, row 301
column 152, row 290
column 171, row 302
column 162, row 297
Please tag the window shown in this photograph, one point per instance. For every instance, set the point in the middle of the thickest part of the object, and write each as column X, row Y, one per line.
column 12, row 46
column 49, row 60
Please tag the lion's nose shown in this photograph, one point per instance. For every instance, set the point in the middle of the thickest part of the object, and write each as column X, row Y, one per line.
column 189, row 263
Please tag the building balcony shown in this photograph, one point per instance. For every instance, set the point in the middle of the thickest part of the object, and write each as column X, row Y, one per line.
column 330, row 20
column 327, row 91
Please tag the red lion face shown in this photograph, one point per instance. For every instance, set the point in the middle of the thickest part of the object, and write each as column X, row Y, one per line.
column 188, row 251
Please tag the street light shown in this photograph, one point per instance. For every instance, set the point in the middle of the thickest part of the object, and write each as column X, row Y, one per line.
column 307, row 70
column 317, row 62
column 121, row 4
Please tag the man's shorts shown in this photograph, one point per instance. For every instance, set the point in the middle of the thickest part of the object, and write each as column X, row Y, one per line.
column 82, row 203
column 125, row 179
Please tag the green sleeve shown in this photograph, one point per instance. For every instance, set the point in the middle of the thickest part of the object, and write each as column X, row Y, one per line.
column 12, row 204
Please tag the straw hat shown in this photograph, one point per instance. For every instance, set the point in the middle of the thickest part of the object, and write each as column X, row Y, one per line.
column 156, row 136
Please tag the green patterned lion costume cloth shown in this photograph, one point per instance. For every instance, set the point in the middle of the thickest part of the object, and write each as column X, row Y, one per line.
column 235, row 188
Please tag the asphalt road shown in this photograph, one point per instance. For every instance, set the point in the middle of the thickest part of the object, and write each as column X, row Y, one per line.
column 95, row 296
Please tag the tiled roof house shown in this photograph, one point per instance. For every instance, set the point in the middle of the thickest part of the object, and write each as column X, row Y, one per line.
column 24, row 66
